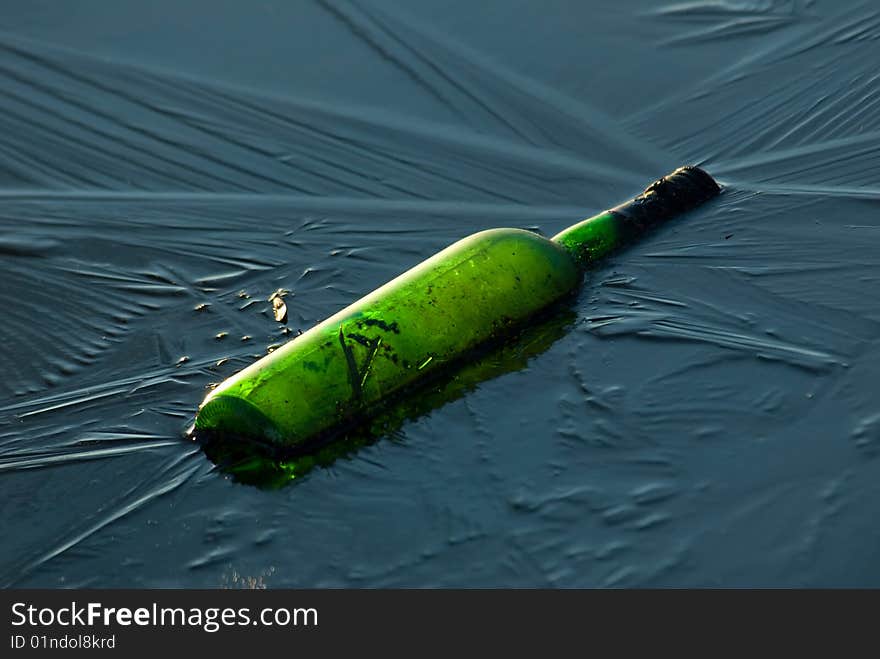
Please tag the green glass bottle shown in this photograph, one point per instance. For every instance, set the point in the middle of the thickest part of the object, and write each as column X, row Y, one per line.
column 427, row 320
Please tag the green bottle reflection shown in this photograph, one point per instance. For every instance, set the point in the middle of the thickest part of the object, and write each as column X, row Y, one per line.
column 355, row 366
column 273, row 468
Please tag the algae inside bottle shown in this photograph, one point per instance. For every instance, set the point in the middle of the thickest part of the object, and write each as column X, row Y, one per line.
column 429, row 318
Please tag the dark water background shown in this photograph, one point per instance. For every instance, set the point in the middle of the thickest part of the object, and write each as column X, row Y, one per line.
column 711, row 417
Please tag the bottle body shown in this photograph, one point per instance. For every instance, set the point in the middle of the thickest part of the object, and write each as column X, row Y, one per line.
column 405, row 331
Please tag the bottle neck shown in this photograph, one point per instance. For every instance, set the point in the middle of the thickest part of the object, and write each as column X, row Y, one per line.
column 674, row 194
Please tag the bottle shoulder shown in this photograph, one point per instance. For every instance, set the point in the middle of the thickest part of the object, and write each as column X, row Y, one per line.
column 497, row 240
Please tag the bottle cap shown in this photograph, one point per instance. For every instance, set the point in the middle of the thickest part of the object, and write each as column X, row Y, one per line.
column 678, row 192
